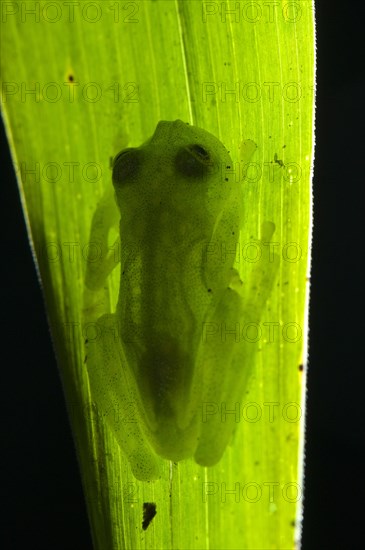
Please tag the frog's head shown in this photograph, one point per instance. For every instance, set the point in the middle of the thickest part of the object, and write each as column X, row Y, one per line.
column 182, row 173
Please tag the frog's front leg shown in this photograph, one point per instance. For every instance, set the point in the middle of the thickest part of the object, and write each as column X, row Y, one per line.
column 106, row 258
column 117, row 402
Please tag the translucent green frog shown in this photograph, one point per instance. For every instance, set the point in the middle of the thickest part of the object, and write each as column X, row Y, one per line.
column 163, row 350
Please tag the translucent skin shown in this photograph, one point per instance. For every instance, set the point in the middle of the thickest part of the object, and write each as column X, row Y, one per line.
column 179, row 206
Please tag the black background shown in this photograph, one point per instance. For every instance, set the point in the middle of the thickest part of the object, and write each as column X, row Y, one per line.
column 41, row 488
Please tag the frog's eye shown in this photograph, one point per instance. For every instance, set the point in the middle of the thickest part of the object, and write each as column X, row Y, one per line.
column 127, row 165
column 193, row 161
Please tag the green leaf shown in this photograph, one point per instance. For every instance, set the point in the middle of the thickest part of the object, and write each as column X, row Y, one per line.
column 82, row 82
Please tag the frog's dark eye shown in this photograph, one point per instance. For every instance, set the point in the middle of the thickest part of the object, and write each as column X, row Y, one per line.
column 127, row 165
column 193, row 161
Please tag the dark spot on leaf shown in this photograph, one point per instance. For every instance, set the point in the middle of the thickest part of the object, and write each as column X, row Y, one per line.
column 300, row 368
column 278, row 161
column 70, row 77
column 149, row 512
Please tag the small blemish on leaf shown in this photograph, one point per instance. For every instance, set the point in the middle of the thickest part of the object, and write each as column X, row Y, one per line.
column 149, row 512
column 278, row 161
column 300, row 368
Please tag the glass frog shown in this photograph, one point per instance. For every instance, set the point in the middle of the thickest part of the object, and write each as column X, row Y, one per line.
column 179, row 205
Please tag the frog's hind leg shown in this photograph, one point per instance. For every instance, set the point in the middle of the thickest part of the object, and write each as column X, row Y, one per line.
column 228, row 358
column 113, row 391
